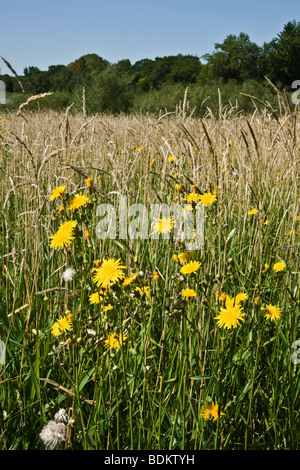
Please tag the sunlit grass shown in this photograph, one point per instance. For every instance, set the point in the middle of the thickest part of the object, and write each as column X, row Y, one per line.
column 124, row 334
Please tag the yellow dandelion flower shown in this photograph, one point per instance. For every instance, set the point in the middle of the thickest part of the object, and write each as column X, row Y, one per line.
column 253, row 212
column 175, row 258
column 89, row 182
column 144, row 291
column 61, row 239
column 178, row 187
column 186, row 256
column 192, row 197
column 110, row 271
column 156, row 277
column 273, row 312
column 211, row 411
column 207, row 199
column 114, row 341
column 86, row 233
column 128, row 280
column 171, row 159
column 107, row 308
column 256, row 300
column 267, row 266
column 188, row 293
column 164, row 225
column 190, row 268
column 57, row 192
column 280, row 266
column 240, row 298
column 95, row 298
column 64, row 324
column 230, row 316
column 79, row 201
column 55, row 329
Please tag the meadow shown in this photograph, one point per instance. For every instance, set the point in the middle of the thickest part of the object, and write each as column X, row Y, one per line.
column 123, row 344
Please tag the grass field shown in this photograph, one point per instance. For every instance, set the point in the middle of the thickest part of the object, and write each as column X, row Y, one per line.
column 146, row 345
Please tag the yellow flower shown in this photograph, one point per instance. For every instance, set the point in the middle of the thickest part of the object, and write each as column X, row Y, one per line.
column 253, row 212
column 95, row 298
column 188, row 293
column 130, row 279
column 267, row 266
column 114, row 341
column 178, row 187
column 79, row 201
column 55, row 329
column 190, row 267
column 57, row 192
column 164, row 225
column 175, row 258
column 192, row 197
column 156, row 277
column 144, row 291
column 64, row 324
column 211, row 411
column 171, row 158
column 280, row 266
column 110, row 271
column 107, row 308
column 240, row 298
column 230, row 316
column 207, row 199
column 273, row 313
column 186, row 256
column 89, row 182
column 223, row 297
column 61, row 239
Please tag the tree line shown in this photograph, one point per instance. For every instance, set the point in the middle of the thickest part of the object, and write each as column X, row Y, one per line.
column 149, row 85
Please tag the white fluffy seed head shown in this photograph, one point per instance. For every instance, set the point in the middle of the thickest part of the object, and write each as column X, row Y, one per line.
column 69, row 274
column 53, row 434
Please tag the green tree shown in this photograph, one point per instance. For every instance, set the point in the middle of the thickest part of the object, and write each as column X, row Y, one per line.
column 281, row 57
column 236, row 58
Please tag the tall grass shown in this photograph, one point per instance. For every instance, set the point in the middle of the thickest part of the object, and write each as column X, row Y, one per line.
column 150, row 393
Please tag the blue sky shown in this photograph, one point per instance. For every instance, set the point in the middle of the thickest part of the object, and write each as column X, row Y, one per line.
column 51, row 32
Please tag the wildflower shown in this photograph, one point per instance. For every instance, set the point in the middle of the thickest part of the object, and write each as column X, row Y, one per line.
column 152, row 162
column 130, row 279
column 170, row 158
column 267, row 266
column 64, row 324
column 86, row 233
column 61, row 239
column 144, row 291
column 107, row 308
column 57, row 192
column 175, row 258
column 55, row 329
column 79, row 201
column 223, row 297
column 192, row 197
column 95, row 298
column 241, row 297
column 178, row 187
column 156, row 276
column 211, row 411
column 89, row 183
column 110, row 271
column 188, row 293
column 207, row 199
column 256, row 300
column 114, row 341
column 68, row 274
column 253, row 212
column 190, row 268
column 186, row 256
column 164, row 225
column 230, row 316
column 53, row 434
column 273, row 312
column 280, row 266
